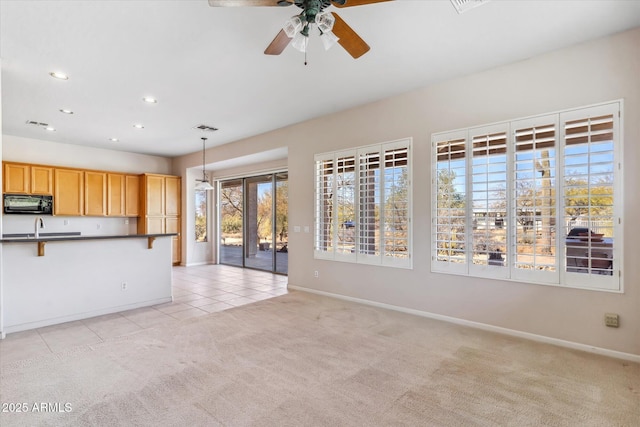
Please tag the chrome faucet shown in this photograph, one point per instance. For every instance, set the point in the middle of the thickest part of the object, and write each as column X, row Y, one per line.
column 38, row 225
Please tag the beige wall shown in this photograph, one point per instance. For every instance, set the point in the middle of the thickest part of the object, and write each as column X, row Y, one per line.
column 29, row 150
column 602, row 70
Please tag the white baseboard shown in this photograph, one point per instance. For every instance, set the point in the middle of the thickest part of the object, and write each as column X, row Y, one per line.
column 79, row 316
column 193, row 264
column 512, row 332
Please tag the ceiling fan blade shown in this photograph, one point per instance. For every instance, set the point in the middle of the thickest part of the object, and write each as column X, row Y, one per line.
column 349, row 40
column 278, row 44
column 350, row 3
column 235, row 3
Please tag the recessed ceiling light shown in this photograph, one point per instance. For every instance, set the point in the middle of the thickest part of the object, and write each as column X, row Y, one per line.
column 59, row 75
column 150, row 100
column 65, row 111
column 114, row 139
column 138, row 126
column 50, row 129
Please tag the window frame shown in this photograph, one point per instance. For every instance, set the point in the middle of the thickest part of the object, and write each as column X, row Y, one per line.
column 204, row 213
column 560, row 276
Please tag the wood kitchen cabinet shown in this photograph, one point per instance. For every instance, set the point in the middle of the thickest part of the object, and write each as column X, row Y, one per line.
column 153, row 192
column 16, row 178
column 132, row 195
column 123, row 195
column 20, row 178
column 41, row 180
column 68, row 192
column 115, row 194
column 172, row 225
column 172, row 196
column 160, row 200
column 95, row 193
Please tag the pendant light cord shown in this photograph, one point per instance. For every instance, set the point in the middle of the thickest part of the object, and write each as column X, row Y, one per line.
column 204, row 176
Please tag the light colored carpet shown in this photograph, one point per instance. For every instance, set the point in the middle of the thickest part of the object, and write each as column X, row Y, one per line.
column 307, row 360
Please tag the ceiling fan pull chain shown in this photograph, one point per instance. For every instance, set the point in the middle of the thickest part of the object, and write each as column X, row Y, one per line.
column 305, row 57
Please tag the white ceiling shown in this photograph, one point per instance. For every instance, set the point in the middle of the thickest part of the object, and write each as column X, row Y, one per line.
column 206, row 65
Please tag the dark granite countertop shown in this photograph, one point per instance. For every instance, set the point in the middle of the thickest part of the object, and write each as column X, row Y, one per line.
column 66, row 237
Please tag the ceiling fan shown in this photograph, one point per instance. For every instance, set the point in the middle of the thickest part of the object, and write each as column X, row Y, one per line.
column 332, row 28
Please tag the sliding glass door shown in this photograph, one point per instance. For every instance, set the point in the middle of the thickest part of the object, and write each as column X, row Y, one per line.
column 259, row 232
column 254, row 222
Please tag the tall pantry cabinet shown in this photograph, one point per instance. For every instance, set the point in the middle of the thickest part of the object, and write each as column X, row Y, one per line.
column 160, row 208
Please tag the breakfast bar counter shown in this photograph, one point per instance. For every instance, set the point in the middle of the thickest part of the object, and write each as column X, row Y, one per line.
column 65, row 237
column 80, row 276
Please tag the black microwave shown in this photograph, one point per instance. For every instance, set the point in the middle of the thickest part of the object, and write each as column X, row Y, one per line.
column 28, row 204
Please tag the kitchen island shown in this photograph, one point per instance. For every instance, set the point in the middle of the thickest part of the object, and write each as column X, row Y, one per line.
column 55, row 279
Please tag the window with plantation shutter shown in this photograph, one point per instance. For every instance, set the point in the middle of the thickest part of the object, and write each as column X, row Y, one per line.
column 535, row 200
column 395, row 214
column 450, row 195
column 345, row 204
column 324, row 226
column 489, row 200
column 591, row 201
column 372, row 207
column 369, row 203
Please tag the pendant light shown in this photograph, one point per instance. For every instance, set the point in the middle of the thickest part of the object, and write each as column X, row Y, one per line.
column 203, row 184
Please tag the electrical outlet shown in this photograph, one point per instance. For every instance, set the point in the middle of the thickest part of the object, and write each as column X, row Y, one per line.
column 66, row 222
column 316, row 274
column 124, row 286
column 126, row 221
column 612, row 320
column 98, row 226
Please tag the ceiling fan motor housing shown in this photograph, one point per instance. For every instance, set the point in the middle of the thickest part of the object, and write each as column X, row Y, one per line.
column 310, row 8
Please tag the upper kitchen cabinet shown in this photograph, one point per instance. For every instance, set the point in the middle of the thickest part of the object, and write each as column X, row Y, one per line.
column 172, row 195
column 132, row 195
column 68, row 192
column 123, row 195
column 22, row 178
column 153, row 192
column 116, row 194
column 95, row 193
column 41, row 180
column 160, row 195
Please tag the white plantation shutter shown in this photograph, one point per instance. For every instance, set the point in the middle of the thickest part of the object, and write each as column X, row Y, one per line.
column 324, row 193
column 489, row 201
column 345, row 207
column 505, row 201
column 396, row 205
column 590, row 196
column 449, row 194
column 369, row 184
column 534, row 199
column 363, row 205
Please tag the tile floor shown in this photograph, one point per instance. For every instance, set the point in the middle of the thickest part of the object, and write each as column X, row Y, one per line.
column 197, row 291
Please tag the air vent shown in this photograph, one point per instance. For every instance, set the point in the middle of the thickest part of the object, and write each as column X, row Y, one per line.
column 34, row 123
column 464, row 5
column 205, row 128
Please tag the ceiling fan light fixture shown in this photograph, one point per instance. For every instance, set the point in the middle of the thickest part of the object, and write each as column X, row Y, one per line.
column 300, row 42
column 325, row 21
column 328, row 39
column 292, row 26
